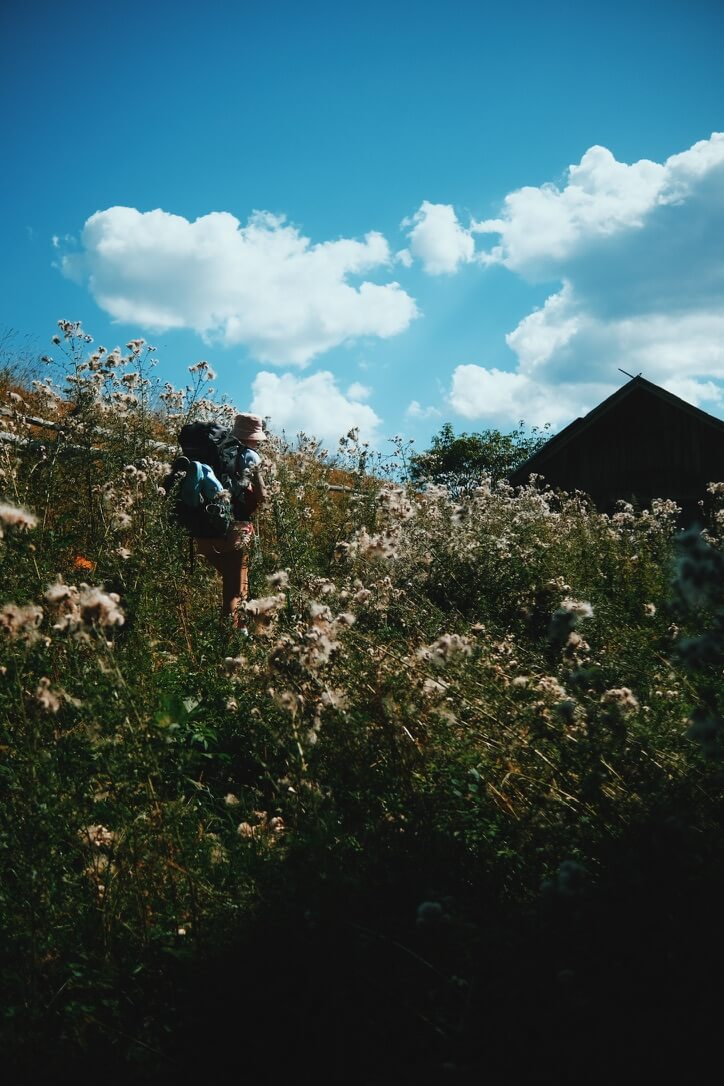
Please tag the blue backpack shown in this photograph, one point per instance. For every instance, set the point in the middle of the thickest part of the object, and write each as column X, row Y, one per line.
column 209, row 484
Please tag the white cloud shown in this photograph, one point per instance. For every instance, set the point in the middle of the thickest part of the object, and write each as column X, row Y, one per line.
column 356, row 391
column 637, row 250
column 438, row 240
column 313, row 404
column 541, row 227
column 263, row 285
column 415, row 410
column 494, row 396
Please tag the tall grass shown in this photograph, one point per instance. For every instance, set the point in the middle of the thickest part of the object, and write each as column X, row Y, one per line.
column 462, row 780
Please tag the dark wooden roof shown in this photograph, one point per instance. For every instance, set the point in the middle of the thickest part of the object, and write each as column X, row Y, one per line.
column 641, row 441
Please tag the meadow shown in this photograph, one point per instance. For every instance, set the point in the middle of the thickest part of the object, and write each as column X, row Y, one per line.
column 451, row 812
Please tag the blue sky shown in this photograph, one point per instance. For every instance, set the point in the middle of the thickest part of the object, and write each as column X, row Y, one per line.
column 389, row 216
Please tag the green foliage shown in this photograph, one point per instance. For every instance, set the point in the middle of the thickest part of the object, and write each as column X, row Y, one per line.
column 464, row 733
column 461, row 462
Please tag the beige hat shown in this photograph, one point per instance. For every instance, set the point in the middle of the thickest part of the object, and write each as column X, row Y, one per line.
column 249, row 428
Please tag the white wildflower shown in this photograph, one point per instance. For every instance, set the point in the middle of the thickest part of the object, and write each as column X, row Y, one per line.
column 14, row 516
column 20, row 622
column 47, row 698
column 622, row 699
column 446, row 649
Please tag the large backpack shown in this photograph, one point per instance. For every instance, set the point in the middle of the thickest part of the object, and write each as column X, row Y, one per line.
column 209, row 483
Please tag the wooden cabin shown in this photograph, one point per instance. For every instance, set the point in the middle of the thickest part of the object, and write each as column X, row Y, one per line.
column 640, row 443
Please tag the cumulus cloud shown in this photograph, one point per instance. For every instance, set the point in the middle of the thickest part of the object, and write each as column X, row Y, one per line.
column 638, row 256
column 415, row 410
column 263, row 285
column 357, row 391
column 438, row 240
column 313, row 404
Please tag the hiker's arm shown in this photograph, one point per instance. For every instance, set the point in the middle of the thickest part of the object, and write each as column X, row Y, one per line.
column 259, row 487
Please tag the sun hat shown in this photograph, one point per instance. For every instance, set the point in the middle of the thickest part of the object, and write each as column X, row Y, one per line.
column 249, row 428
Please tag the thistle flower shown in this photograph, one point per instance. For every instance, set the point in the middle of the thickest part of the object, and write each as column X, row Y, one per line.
column 21, row 622
column 47, row 698
column 622, row 699
column 446, row 649
column 234, row 665
column 14, row 516
column 569, row 613
column 279, row 580
column 97, row 836
column 550, row 688
column 100, row 608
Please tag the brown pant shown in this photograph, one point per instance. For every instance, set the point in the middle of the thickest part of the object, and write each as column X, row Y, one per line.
column 229, row 555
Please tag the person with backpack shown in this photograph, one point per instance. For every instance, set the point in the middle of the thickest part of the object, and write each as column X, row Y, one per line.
column 218, row 486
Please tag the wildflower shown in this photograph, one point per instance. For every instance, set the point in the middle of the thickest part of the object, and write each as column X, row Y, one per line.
column 335, row 699
column 622, row 699
column 13, row 515
column 434, row 688
column 319, row 614
column 234, row 665
column 265, row 605
column 577, row 607
column 566, row 617
column 576, row 644
column 100, row 608
column 245, row 829
column 48, row 699
column 649, row 610
column 80, row 562
column 279, row 580
column 550, row 688
column 231, row 800
column 374, row 548
column 86, row 606
column 217, row 852
column 263, row 612
column 21, row 622
column 97, row 836
column 446, row 649
column 288, row 700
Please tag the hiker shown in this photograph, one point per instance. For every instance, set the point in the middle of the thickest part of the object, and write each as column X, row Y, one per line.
column 229, row 554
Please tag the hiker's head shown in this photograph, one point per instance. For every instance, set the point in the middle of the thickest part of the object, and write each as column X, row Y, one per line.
column 249, row 430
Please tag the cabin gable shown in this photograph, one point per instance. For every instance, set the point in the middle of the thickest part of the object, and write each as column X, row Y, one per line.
column 641, row 443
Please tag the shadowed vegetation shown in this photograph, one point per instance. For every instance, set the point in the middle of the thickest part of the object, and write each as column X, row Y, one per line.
column 452, row 812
